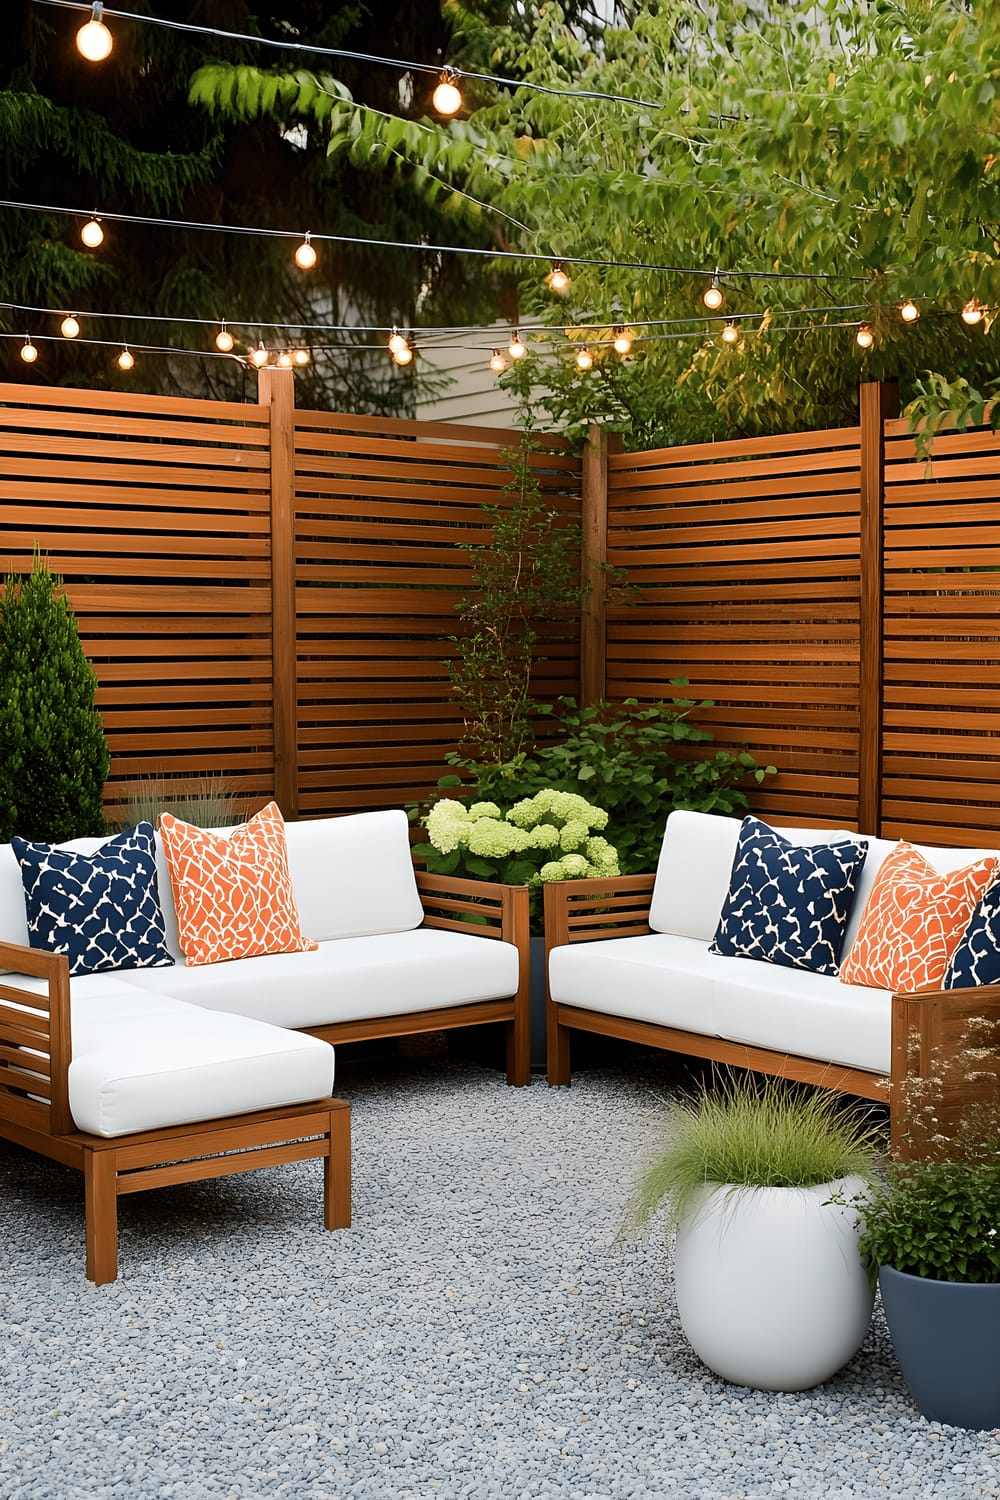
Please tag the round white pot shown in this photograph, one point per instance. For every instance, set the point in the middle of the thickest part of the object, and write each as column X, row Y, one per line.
column 770, row 1288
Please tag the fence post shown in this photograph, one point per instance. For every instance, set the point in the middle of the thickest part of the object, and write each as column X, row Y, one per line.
column 879, row 402
column 593, row 567
column 276, row 392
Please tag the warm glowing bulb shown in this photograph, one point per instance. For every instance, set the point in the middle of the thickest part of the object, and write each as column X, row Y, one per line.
column 909, row 312
column 125, row 360
column 584, row 358
column 69, row 327
column 865, row 336
column 623, row 340
column 447, row 97
column 259, row 356
column 396, row 341
column 972, row 312
column 730, row 334
column 28, row 351
column 92, row 234
column 712, row 295
column 224, row 339
column 94, row 41
column 305, row 255
column 557, row 278
column 517, row 349
column 497, row 363
column 301, row 356
column 404, row 355
column 285, row 360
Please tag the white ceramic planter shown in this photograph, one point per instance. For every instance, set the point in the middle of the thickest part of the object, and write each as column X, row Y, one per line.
column 770, row 1288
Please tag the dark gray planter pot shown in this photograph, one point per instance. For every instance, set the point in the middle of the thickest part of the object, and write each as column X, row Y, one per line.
column 946, row 1335
column 538, row 1030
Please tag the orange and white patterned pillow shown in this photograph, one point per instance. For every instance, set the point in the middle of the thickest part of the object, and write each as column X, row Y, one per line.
column 233, row 896
column 913, row 920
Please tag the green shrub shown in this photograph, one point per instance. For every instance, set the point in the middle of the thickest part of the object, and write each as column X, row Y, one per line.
column 54, row 757
column 939, row 1219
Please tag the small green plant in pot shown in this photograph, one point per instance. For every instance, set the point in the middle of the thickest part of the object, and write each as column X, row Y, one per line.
column 763, row 1183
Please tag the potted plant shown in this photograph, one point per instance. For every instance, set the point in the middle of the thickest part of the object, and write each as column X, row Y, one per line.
column 763, row 1183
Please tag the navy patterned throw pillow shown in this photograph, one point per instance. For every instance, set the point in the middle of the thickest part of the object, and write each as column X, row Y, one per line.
column 976, row 960
column 101, row 909
column 789, row 903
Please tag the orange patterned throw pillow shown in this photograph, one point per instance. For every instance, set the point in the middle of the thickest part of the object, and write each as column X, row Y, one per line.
column 913, row 920
column 233, row 896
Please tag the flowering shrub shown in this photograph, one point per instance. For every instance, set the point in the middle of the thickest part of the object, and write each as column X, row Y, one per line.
column 551, row 836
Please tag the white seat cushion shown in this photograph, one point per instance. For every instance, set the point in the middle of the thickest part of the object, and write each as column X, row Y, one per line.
column 806, row 1015
column 348, row 979
column 658, row 977
column 144, row 1061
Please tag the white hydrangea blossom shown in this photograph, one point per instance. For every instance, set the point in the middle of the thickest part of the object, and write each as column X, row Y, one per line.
column 447, row 823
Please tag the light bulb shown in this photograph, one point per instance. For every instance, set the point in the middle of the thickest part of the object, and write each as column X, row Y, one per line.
column 497, row 363
column 28, row 351
column 712, row 295
column 517, row 349
column 285, row 360
column 396, row 341
column 259, row 355
column 69, row 327
column 447, row 97
column 865, row 336
column 557, row 278
column 909, row 312
column 92, row 234
column 125, row 359
column 623, row 340
column 584, row 358
column 973, row 311
column 301, row 356
column 94, row 41
column 305, row 255
column 404, row 355
column 224, row 339
column 730, row 334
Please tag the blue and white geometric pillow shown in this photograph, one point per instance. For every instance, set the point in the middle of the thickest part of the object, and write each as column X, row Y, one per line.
column 976, row 960
column 789, row 903
column 101, row 909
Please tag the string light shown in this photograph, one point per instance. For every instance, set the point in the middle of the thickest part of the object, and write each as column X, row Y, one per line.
column 497, row 362
column 92, row 234
column 403, row 356
column 285, row 360
column 305, row 255
column 224, row 339
column 623, row 340
column 397, row 343
column 94, row 41
column 713, row 295
column 517, row 349
column 69, row 327
column 909, row 312
column 126, row 359
column 28, row 351
column 301, row 356
column 584, row 358
column 447, row 97
column 557, row 278
column 973, row 311
column 259, row 355
column 865, row 336
column 731, row 333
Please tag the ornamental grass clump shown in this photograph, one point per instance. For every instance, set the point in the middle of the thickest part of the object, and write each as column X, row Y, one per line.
column 752, row 1133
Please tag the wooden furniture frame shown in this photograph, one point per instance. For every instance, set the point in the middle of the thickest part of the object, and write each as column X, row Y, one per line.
column 35, row 1052
column 926, row 1027
column 476, row 908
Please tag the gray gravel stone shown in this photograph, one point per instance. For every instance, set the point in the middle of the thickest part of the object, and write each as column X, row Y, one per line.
column 476, row 1334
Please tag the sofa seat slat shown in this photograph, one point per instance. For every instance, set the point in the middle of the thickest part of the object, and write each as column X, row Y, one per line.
column 208, row 1138
column 200, row 1170
column 32, row 1062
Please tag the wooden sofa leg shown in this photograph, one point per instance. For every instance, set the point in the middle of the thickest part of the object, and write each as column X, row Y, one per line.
column 337, row 1172
column 519, row 1052
column 557, row 1052
column 101, row 1208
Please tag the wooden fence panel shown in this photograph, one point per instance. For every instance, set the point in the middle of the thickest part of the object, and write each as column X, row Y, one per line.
column 385, row 511
column 941, row 735
column 744, row 560
column 155, row 511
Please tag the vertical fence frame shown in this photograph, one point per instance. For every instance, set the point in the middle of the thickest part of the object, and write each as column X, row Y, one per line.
column 879, row 403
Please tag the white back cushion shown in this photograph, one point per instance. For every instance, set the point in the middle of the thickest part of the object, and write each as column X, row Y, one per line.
column 353, row 876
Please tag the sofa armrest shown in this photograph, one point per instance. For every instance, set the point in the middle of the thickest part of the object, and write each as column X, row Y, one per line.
column 500, row 911
column 35, row 1040
column 578, row 911
column 929, row 1033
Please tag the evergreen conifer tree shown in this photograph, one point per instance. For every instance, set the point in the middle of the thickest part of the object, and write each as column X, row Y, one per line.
column 54, row 757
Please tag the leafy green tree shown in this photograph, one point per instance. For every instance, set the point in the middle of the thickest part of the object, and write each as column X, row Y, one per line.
column 54, row 757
